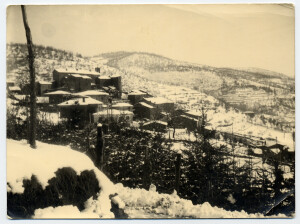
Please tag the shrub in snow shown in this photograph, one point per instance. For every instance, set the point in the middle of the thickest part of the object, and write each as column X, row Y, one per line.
column 67, row 188
column 52, row 176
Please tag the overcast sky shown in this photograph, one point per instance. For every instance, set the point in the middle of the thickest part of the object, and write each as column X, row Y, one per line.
column 218, row 35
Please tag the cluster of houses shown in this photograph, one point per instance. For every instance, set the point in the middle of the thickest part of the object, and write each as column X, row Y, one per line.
column 84, row 97
column 88, row 96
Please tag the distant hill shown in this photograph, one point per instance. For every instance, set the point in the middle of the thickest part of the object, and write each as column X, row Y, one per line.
column 157, row 63
column 247, row 89
column 46, row 60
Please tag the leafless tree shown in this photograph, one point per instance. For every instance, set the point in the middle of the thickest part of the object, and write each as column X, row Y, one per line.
column 32, row 125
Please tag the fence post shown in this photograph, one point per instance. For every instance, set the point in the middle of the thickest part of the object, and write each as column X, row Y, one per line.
column 177, row 172
column 99, row 147
column 146, row 176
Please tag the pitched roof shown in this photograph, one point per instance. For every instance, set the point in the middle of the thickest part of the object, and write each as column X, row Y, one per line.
column 74, row 71
column 156, row 122
column 58, row 92
column 146, row 105
column 80, row 102
column 158, row 100
column 115, row 76
column 194, row 113
column 14, row 88
column 104, row 77
column 92, row 93
column 85, row 77
column 80, row 76
column 76, row 75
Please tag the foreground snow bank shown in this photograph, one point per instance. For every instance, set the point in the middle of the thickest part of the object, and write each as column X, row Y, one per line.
column 141, row 203
column 43, row 162
column 63, row 212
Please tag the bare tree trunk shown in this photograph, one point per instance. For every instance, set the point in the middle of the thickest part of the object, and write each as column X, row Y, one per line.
column 32, row 123
column 100, row 147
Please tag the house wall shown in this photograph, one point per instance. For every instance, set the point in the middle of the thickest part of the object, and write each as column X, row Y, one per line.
column 80, row 113
column 134, row 99
column 186, row 122
column 166, row 107
column 117, row 82
column 84, row 84
column 56, row 99
column 58, row 77
column 101, row 98
column 42, row 88
column 103, row 82
column 144, row 112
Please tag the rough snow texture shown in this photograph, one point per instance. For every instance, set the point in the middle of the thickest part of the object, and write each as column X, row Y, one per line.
column 141, row 203
column 63, row 212
column 43, row 162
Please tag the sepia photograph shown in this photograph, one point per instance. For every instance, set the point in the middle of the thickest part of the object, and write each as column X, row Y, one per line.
column 150, row 111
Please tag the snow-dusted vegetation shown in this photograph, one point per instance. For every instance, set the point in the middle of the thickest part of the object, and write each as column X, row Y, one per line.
column 32, row 173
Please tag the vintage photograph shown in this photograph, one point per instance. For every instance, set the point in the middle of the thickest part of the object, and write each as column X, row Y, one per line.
column 157, row 111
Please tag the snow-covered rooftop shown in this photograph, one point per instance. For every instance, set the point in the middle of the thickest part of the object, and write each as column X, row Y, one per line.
column 92, row 93
column 14, row 88
column 146, row 105
column 58, row 92
column 76, row 75
column 136, row 93
column 158, row 100
column 103, row 77
column 156, row 122
column 114, row 112
column 74, row 71
column 45, row 82
column 21, row 97
column 194, row 113
column 80, row 101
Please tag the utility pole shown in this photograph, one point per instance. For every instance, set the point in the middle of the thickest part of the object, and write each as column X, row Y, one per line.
column 32, row 123
column 100, row 147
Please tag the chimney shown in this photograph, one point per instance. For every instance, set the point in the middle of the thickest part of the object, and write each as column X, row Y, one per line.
column 97, row 69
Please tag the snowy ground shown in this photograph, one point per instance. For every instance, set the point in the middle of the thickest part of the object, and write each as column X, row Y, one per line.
column 23, row 161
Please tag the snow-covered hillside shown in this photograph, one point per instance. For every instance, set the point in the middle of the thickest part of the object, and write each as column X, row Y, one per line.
column 43, row 163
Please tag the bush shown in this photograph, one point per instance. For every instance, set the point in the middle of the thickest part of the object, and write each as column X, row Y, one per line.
column 67, row 188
